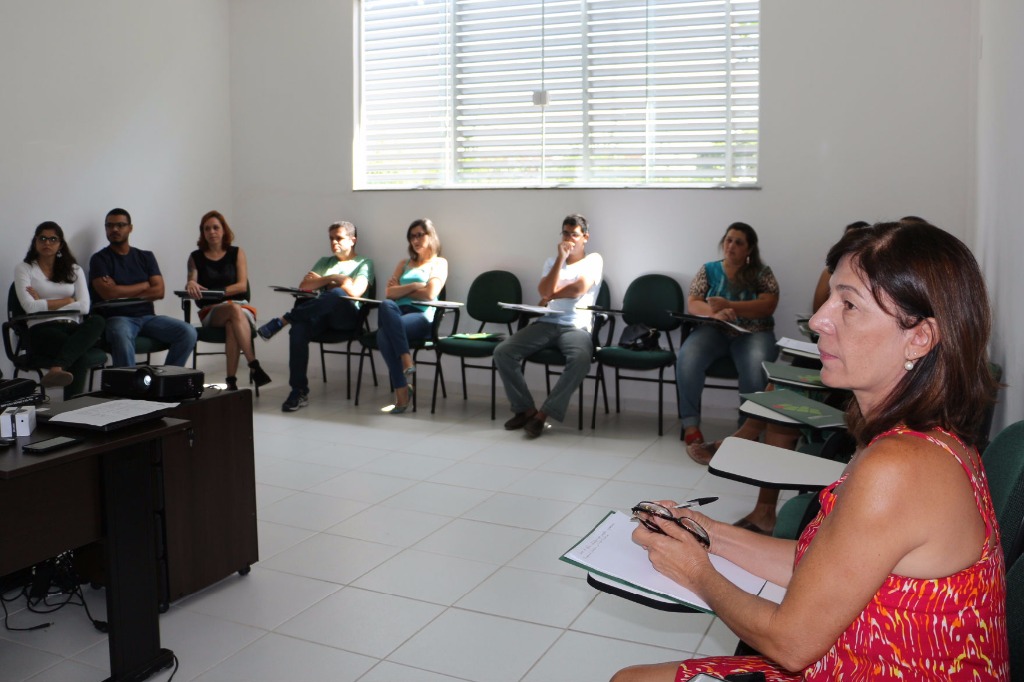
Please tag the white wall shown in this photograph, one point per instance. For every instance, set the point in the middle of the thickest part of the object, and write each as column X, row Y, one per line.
column 113, row 103
column 867, row 113
column 1000, row 199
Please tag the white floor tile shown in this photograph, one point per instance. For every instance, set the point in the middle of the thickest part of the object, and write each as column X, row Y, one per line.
column 275, row 658
column 429, row 577
column 296, row 475
column 541, row 598
column 70, row 671
column 364, row 622
column 555, row 486
column 486, row 542
column 543, row 555
column 390, row 526
column 521, row 511
column 579, row 656
column 274, row 537
column 405, row 465
column 363, row 486
column 385, row 671
column 310, row 511
column 331, row 558
column 477, row 646
column 476, row 475
column 436, row 498
column 612, row 616
column 263, row 599
column 20, row 662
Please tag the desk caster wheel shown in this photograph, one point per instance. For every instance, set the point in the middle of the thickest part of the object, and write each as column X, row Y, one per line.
column 244, row 571
column 163, row 606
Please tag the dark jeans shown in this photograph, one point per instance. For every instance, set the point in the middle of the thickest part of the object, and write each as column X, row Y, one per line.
column 64, row 344
column 313, row 317
column 397, row 327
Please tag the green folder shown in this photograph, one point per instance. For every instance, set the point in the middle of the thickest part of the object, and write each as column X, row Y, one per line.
column 479, row 336
column 783, row 373
column 795, row 406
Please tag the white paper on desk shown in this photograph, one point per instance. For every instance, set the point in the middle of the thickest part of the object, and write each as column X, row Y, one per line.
column 609, row 551
column 361, row 299
column 111, row 412
column 804, row 348
column 539, row 309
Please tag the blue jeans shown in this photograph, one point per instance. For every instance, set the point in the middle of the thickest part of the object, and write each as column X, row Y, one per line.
column 311, row 318
column 396, row 327
column 705, row 345
column 121, row 333
column 575, row 344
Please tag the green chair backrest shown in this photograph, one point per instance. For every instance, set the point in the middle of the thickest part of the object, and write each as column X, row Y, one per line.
column 1004, row 467
column 490, row 288
column 1015, row 617
column 14, row 308
column 649, row 300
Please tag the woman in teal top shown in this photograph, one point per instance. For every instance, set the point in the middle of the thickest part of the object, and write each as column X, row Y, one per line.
column 401, row 318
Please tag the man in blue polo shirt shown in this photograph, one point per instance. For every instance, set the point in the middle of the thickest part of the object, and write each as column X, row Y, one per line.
column 120, row 271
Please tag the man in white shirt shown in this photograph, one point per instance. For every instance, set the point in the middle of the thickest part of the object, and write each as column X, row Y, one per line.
column 569, row 280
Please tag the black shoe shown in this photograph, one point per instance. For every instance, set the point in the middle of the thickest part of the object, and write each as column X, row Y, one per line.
column 257, row 375
column 518, row 420
column 534, row 427
column 297, row 399
column 232, row 383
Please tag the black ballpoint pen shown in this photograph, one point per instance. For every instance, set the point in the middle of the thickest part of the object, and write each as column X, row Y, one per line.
column 695, row 502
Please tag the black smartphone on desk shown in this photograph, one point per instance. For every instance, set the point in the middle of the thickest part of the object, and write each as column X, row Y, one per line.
column 41, row 447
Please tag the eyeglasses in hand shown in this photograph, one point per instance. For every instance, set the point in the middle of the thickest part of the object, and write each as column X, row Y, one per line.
column 643, row 510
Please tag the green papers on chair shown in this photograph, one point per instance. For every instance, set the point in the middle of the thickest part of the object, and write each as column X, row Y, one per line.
column 608, row 551
column 798, row 407
column 782, row 373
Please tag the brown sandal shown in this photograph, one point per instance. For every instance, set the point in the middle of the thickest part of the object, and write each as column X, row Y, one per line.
column 699, row 451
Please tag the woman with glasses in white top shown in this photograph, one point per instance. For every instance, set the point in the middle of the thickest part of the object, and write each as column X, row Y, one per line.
column 50, row 280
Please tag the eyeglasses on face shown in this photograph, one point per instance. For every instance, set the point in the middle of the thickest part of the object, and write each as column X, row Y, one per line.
column 644, row 510
column 46, row 239
column 571, row 235
column 111, row 226
column 340, row 237
column 413, row 236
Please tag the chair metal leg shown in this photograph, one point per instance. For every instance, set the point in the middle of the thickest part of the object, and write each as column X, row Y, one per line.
column 493, row 407
column 465, row 392
column 323, row 363
column 359, row 378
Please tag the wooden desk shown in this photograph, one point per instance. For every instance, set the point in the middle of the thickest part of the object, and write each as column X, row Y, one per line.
column 106, row 487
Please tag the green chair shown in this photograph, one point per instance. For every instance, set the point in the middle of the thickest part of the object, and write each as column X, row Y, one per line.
column 486, row 291
column 204, row 334
column 649, row 300
column 1015, row 617
column 552, row 357
column 330, row 337
column 18, row 347
column 1004, row 467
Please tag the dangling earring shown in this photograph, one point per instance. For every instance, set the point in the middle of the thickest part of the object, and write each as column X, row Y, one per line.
column 748, row 260
column 60, row 254
column 908, row 365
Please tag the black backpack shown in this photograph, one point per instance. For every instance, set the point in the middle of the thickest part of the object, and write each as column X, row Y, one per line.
column 639, row 336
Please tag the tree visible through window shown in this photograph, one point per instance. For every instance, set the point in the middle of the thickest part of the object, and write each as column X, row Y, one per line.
column 549, row 93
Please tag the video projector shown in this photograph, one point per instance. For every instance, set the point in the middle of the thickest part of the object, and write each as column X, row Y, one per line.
column 148, row 382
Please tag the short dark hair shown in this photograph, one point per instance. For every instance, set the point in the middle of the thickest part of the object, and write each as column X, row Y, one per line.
column 229, row 236
column 120, row 211
column 349, row 228
column 576, row 220
column 917, row 271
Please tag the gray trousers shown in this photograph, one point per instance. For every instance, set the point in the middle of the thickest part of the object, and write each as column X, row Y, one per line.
column 575, row 345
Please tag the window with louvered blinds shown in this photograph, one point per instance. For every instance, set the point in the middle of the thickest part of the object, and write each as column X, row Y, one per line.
column 557, row 93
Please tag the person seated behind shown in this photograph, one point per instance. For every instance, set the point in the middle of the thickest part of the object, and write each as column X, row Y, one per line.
column 400, row 318
column 122, row 271
column 900, row 576
column 218, row 265
column 50, row 279
column 345, row 273
column 569, row 279
column 762, row 518
column 739, row 289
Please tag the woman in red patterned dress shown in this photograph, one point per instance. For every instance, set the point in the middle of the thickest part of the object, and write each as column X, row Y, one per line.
column 900, row 576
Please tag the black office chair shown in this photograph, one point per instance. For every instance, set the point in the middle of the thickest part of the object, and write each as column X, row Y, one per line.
column 212, row 335
column 18, row 346
column 348, row 337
